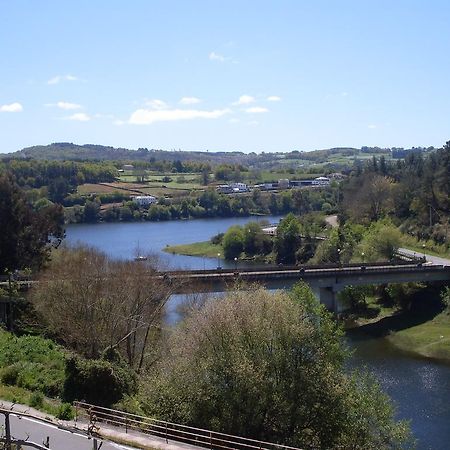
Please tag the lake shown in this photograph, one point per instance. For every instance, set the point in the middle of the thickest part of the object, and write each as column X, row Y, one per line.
column 420, row 388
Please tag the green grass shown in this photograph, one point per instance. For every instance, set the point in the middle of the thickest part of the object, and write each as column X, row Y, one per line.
column 32, row 363
column 430, row 339
column 196, row 249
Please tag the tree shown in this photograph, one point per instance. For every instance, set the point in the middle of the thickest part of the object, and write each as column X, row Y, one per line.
column 380, row 242
column 287, row 240
column 91, row 303
column 233, row 242
column 270, row 366
column 27, row 235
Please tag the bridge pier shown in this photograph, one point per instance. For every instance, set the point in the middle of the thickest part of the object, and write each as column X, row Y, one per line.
column 328, row 296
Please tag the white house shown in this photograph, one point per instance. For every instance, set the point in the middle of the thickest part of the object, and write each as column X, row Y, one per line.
column 239, row 187
column 321, row 181
column 145, row 200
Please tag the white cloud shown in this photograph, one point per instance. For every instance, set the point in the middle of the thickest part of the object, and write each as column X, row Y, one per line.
column 156, row 104
column 213, row 56
column 147, row 116
column 245, row 100
column 79, row 117
column 256, row 110
column 12, row 107
column 58, row 78
column 372, row 126
column 189, row 101
column 273, row 98
column 65, row 105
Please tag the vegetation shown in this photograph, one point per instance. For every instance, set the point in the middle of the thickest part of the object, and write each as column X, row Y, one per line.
column 430, row 339
column 27, row 232
column 206, row 248
column 92, row 303
column 270, row 366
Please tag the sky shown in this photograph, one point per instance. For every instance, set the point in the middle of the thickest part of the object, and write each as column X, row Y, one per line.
column 246, row 75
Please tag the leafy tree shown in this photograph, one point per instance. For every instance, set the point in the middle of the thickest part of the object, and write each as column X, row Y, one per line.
column 287, row 240
column 380, row 242
column 270, row 366
column 256, row 242
column 233, row 242
column 27, row 235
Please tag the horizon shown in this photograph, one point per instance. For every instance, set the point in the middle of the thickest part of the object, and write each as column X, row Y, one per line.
column 254, row 77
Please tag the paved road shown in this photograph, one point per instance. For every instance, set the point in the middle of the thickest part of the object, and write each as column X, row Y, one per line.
column 37, row 431
column 434, row 259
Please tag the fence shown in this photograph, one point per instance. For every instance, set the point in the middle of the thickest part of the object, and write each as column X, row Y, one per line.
column 170, row 431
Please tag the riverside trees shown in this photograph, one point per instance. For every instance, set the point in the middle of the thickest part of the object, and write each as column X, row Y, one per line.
column 270, row 366
column 92, row 303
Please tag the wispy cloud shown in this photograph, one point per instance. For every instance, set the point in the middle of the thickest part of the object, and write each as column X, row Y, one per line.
column 65, row 105
column 213, row 56
column 244, row 100
column 273, row 98
column 189, row 101
column 256, row 110
column 58, row 78
column 12, row 107
column 148, row 116
column 372, row 126
column 156, row 104
column 79, row 117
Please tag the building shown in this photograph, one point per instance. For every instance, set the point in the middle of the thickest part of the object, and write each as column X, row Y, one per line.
column 128, row 167
column 224, row 189
column 239, row 187
column 283, row 184
column 145, row 200
column 321, row 181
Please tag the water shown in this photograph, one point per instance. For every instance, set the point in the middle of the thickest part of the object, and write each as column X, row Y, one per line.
column 120, row 240
column 420, row 388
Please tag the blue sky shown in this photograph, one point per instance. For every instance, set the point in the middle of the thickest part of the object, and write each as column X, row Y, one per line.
column 225, row 75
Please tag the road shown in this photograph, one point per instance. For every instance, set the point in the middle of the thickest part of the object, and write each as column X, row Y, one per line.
column 37, row 431
column 434, row 259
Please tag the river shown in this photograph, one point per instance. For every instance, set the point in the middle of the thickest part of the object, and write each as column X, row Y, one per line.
column 420, row 388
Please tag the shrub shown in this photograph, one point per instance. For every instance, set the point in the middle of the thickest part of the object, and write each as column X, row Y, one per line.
column 37, row 400
column 10, row 375
column 97, row 381
column 65, row 412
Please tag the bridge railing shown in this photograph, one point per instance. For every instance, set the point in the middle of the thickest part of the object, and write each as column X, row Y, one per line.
column 268, row 268
column 169, row 431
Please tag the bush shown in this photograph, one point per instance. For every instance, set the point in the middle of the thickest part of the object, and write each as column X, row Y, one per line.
column 65, row 412
column 10, row 375
column 37, row 400
column 97, row 381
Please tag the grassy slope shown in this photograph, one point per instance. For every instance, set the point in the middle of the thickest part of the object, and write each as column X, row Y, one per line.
column 196, row 249
column 29, row 367
column 430, row 339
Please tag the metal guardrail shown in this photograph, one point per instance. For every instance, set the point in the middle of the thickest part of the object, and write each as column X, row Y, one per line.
column 169, row 431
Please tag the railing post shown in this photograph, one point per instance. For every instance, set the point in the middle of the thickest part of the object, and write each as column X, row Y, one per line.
column 210, row 440
column 167, row 441
column 126, row 425
column 7, row 432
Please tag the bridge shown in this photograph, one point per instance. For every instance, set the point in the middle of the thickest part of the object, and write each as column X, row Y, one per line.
column 325, row 281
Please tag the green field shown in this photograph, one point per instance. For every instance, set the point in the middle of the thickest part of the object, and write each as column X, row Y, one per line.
column 205, row 248
column 430, row 339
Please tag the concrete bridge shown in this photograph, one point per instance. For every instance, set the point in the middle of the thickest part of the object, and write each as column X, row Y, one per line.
column 326, row 282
